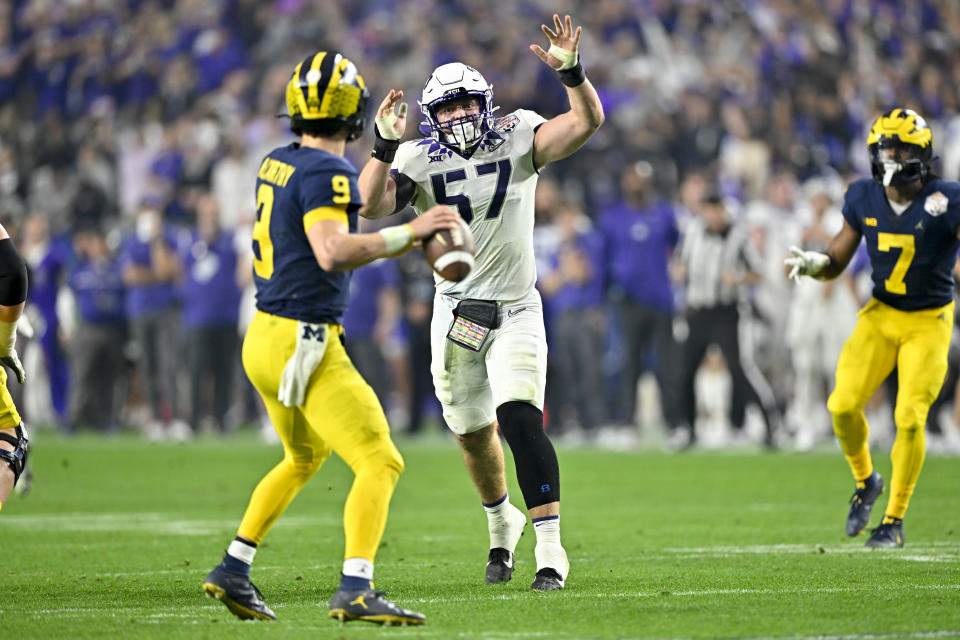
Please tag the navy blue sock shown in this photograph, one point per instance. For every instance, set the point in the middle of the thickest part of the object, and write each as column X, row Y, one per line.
column 354, row 583
column 234, row 565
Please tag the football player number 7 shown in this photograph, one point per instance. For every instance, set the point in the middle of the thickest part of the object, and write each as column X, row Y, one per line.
column 461, row 201
column 904, row 242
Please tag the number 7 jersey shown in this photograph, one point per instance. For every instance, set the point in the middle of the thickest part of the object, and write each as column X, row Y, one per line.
column 493, row 189
column 912, row 254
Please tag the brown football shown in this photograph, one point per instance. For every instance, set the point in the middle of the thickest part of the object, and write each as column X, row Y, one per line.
column 450, row 252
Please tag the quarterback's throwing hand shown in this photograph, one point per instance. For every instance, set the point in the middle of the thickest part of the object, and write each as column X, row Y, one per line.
column 390, row 124
column 563, row 44
column 805, row 263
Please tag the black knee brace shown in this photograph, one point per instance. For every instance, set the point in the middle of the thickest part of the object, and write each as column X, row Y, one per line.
column 538, row 472
column 13, row 275
column 16, row 459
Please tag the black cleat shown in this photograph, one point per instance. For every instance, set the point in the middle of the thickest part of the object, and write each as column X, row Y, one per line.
column 238, row 594
column 861, row 503
column 889, row 535
column 499, row 566
column 370, row 606
column 553, row 567
column 547, row 579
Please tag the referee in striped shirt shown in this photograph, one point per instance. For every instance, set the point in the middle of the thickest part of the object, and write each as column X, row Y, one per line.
column 718, row 263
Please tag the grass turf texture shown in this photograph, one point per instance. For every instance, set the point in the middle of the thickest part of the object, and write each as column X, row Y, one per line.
column 118, row 535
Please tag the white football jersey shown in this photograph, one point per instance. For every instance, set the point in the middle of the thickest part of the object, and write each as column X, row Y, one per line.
column 493, row 189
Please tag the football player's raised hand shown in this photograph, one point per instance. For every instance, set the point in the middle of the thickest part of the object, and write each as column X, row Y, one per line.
column 391, row 124
column 563, row 44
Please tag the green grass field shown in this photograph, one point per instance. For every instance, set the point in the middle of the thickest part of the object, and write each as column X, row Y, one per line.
column 118, row 534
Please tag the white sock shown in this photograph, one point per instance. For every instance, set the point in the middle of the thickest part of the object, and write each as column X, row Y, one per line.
column 242, row 551
column 497, row 509
column 497, row 522
column 547, row 529
column 358, row 568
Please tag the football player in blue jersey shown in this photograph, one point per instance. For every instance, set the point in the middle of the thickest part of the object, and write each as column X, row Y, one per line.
column 13, row 295
column 305, row 244
column 909, row 219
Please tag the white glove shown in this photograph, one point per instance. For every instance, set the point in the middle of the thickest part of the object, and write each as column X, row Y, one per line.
column 8, row 350
column 805, row 263
column 311, row 345
column 385, row 124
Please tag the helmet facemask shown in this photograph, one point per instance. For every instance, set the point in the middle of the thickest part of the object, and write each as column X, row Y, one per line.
column 457, row 81
column 464, row 131
column 897, row 164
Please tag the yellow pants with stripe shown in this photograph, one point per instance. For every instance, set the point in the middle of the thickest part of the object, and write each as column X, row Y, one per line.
column 341, row 413
column 916, row 342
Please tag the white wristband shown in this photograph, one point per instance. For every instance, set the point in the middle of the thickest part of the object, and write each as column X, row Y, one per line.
column 567, row 57
column 397, row 238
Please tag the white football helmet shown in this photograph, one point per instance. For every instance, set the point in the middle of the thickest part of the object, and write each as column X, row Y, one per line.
column 452, row 81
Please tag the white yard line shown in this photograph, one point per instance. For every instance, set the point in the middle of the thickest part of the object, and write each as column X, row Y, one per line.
column 154, row 523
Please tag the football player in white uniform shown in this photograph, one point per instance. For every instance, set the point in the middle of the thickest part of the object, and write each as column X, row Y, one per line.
column 488, row 343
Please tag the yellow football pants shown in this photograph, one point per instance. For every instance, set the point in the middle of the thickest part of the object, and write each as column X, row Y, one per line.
column 9, row 417
column 340, row 413
column 916, row 342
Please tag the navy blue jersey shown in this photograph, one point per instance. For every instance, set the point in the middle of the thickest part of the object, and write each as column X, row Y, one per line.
column 912, row 254
column 296, row 186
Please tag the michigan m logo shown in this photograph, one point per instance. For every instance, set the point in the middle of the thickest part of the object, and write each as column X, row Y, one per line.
column 316, row 332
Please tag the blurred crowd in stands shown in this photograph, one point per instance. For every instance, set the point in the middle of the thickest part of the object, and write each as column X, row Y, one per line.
column 130, row 133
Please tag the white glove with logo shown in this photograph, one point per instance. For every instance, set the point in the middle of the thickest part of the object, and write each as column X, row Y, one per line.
column 805, row 263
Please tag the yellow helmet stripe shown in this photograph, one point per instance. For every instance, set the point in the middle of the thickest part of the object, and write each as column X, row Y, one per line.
column 313, row 88
column 336, row 74
column 295, row 91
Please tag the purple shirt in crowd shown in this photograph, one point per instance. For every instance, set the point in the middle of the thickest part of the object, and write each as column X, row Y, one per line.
column 45, row 280
column 100, row 292
column 145, row 299
column 638, row 246
column 211, row 296
column 590, row 294
column 363, row 306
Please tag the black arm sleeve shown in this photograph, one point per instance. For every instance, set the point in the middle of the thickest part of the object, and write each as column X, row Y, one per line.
column 406, row 189
column 13, row 275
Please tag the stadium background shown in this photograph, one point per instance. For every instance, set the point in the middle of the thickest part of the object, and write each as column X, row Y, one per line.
column 109, row 109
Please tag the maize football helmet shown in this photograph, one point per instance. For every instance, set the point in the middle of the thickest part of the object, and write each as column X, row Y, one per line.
column 454, row 81
column 326, row 94
column 901, row 148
